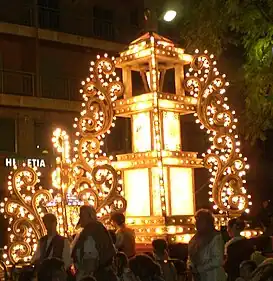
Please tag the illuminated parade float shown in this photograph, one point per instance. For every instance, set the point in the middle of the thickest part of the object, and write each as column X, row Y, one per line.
column 153, row 185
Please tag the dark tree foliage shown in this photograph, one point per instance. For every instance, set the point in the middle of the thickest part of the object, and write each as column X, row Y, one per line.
column 247, row 24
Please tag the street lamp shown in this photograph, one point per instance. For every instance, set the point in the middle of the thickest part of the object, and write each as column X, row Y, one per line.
column 161, row 10
column 169, row 15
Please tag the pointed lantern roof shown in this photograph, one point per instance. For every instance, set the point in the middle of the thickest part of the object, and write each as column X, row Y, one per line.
column 139, row 52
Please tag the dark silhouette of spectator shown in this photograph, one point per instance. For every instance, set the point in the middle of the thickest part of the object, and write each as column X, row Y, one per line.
column 145, row 268
column 264, row 272
column 113, row 236
column 51, row 270
column 93, row 251
column 237, row 249
column 246, row 270
column 150, row 254
column 125, row 236
column 52, row 245
column 265, row 214
column 124, row 272
column 181, row 270
column 179, row 251
column 160, row 248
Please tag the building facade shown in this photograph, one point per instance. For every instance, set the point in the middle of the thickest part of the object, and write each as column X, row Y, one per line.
column 45, row 50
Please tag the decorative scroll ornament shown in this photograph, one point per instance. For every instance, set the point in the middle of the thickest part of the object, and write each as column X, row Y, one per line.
column 223, row 159
column 96, row 181
column 89, row 178
column 24, row 208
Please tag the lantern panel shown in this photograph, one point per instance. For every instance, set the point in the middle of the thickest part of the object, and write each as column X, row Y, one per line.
column 182, row 191
column 141, row 132
column 137, row 192
column 171, row 131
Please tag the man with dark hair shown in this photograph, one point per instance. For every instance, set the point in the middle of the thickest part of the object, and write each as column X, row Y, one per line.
column 92, row 249
column 125, row 235
column 52, row 245
column 161, row 256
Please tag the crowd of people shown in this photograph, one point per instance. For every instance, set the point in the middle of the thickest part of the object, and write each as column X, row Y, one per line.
column 96, row 254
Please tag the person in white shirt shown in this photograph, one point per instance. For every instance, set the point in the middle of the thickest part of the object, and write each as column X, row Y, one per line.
column 206, row 250
column 52, row 245
column 92, row 249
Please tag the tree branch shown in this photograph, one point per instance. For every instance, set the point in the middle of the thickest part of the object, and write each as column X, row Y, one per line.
column 264, row 14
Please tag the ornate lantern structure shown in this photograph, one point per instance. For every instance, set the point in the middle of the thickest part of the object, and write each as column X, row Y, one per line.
column 158, row 175
column 158, row 181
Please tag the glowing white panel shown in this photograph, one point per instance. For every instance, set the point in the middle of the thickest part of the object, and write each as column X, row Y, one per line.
column 182, row 196
column 157, row 211
column 171, row 125
column 141, row 132
column 137, row 192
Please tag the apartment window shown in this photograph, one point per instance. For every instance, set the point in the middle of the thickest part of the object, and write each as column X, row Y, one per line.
column 42, row 137
column 103, row 23
column 49, row 14
column 8, row 142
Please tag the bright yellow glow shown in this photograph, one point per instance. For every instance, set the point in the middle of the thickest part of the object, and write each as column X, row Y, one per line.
column 148, row 77
column 182, row 198
column 184, row 238
column 171, row 130
column 185, row 57
column 157, row 210
column 166, row 104
column 137, row 193
column 141, row 132
column 169, row 15
column 142, row 105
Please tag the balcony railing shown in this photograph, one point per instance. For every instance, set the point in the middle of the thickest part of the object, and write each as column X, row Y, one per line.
column 24, row 84
column 16, row 83
column 60, row 88
column 74, row 22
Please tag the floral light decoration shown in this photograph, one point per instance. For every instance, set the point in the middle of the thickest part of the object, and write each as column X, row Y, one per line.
column 86, row 178
column 96, row 181
column 223, row 159
column 24, row 208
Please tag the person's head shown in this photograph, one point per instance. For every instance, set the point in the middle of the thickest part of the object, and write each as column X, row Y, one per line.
column 52, row 270
column 160, row 246
column 50, row 223
column 144, row 267
column 118, row 219
column 150, row 254
column 204, row 221
column 235, row 227
column 247, row 268
column 87, row 214
column 121, row 263
column 267, row 273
